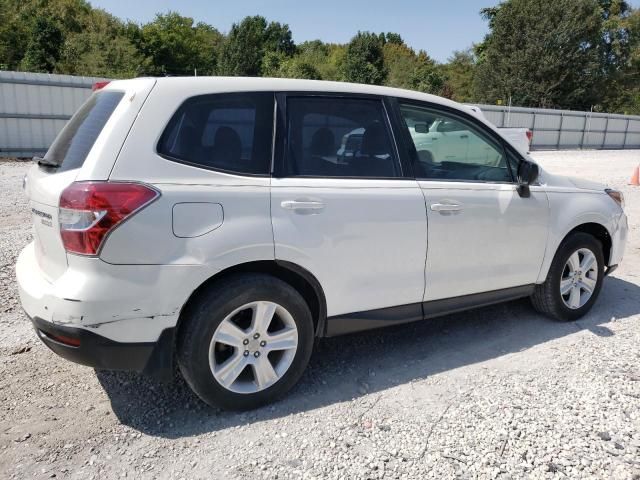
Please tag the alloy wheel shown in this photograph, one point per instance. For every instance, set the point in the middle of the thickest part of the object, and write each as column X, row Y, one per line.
column 579, row 278
column 253, row 347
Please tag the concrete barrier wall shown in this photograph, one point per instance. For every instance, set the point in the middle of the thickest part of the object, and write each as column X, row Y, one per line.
column 567, row 129
column 35, row 106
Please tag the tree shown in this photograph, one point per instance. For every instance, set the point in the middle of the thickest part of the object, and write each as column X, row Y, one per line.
column 43, row 50
column 177, row 46
column 400, row 61
column 103, row 48
column 542, row 53
column 244, row 50
column 622, row 94
column 394, row 38
column 364, row 60
column 297, row 67
column 427, row 77
column 325, row 59
column 460, row 73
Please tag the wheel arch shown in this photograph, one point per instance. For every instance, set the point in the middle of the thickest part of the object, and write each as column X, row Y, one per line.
column 593, row 228
column 298, row 277
column 598, row 231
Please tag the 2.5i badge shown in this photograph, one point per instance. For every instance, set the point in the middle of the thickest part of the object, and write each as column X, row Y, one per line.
column 45, row 218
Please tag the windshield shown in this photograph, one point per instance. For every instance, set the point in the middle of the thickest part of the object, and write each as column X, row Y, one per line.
column 73, row 143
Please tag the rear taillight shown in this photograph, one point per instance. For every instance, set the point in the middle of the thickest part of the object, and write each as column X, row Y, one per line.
column 529, row 136
column 89, row 211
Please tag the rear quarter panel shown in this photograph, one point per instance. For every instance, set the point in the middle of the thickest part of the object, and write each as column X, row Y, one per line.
column 148, row 237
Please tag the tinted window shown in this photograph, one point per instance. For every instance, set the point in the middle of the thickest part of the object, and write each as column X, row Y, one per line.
column 338, row 137
column 230, row 132
column 451, row 148
column 75, row 140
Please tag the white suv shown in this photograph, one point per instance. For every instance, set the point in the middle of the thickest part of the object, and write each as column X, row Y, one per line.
column 215, row 221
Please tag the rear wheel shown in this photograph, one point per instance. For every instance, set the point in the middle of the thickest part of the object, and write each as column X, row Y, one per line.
column 574, row 280
column 245, row 342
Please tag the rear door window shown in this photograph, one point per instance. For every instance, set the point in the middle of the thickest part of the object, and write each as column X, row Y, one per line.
column 228, row 132
column 339, row 137
column 74, row 142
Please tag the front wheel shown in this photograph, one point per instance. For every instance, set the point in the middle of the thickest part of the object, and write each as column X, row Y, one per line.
column 574, row 279
column 245, row 341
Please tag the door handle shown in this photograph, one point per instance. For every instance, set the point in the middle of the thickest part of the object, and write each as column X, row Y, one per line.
column 302, row 205
column 446, row 207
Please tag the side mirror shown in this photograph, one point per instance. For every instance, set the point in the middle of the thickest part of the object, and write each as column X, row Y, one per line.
column 527, row 174
column 421, row 128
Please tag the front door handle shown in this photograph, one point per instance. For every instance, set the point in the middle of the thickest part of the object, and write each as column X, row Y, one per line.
column 302, row 205
column 446, row 207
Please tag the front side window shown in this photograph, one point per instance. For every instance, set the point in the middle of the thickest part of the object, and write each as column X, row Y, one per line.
column 451, row 148
column 229, row 132
column 339, row 137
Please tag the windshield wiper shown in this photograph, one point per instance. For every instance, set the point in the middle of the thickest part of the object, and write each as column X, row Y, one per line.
column 43, row 162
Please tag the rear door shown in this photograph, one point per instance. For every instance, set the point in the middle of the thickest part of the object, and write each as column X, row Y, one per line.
column 357, row 222
column 86, row 148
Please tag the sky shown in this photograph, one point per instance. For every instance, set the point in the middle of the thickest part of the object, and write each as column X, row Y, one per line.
column 439, row 28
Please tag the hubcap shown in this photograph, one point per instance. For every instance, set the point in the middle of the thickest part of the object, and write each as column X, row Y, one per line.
column 253, row 347
column 579, row 278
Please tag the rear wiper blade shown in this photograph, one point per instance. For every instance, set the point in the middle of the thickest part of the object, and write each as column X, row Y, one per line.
column 45, row 163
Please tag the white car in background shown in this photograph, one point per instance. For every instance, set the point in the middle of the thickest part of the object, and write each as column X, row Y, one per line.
column 218, row 222
column 520, row 138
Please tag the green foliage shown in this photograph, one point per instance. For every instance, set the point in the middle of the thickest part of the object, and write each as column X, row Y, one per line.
column 44, row 47
column 460, row 74
column 427, row 77
column 394, row 38
column 177, row 46
column 364, row 60
column 555, row 53
column 549, row 53
column 102, row 48
column 14, row 35
column 243, row 52
column 400, row 61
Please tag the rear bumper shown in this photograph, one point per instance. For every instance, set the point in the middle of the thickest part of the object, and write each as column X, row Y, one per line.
column 85, row 347
column 123, row 303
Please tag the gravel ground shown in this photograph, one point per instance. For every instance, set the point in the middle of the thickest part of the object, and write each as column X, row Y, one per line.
column 499, row 392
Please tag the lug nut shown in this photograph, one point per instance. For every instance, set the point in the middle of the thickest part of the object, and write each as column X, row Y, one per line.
column 263, row 343
column 246, row 353
column 245, row 341
column 256, row 336
column 256, row 354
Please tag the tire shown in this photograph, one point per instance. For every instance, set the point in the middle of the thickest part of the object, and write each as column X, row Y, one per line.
column 250, row 295
column 547, row 297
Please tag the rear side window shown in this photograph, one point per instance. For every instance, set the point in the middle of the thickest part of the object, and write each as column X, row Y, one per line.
column 228, row 132
column 74, row 142
column 339, row 137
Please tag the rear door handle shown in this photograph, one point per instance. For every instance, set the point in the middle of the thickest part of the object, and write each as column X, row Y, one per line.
column 302, row 205
column 446, row 207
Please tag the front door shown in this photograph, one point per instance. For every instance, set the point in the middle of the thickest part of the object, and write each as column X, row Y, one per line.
column 483, row 236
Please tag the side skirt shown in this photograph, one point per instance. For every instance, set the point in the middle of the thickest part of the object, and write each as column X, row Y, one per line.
column 384, row 317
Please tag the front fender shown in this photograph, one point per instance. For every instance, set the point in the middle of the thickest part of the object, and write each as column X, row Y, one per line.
column 570, row 210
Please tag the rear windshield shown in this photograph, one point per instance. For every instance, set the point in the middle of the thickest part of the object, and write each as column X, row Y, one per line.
column 73, row 143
